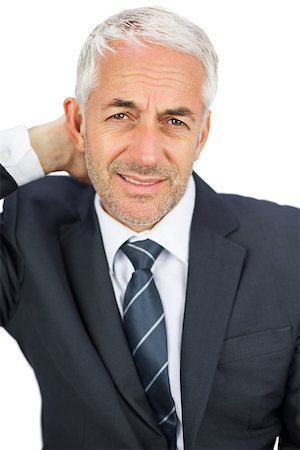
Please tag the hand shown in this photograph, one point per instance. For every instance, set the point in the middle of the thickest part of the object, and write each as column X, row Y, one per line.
column 56, row 151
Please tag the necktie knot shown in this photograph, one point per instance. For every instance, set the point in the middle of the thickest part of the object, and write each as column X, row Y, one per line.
column 142, row 254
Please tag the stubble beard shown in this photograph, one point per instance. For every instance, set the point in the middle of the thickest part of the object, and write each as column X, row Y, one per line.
column 139, row 210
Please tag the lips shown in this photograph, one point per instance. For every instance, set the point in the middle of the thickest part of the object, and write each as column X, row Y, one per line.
column 140, row 182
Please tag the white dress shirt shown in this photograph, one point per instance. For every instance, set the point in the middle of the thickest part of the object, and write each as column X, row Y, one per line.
column 170, row 269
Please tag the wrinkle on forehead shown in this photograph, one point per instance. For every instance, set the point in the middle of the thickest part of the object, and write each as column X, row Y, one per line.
column 169, row 75
column 135, row 83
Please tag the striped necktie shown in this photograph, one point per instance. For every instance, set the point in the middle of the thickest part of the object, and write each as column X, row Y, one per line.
column 144, row 324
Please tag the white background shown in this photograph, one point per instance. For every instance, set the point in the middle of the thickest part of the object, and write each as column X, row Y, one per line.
column 253, row 148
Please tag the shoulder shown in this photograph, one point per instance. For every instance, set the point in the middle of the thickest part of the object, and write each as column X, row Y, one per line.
column 261, row 213
column 248, row 215
column 268, row 230
column 55, row 188
column 49, row 199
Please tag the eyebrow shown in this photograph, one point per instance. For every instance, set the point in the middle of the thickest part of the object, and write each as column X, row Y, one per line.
column 120, row 103
column 182, row 111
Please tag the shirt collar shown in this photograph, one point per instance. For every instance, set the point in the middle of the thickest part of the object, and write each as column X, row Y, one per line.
column 172, row 232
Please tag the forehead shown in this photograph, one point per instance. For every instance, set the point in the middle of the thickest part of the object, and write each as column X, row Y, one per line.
column 151, row 70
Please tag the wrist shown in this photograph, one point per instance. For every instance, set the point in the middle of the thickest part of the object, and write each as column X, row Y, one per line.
column 46, row 142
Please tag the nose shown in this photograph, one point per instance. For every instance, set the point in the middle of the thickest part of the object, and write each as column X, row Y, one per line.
column 146, row 147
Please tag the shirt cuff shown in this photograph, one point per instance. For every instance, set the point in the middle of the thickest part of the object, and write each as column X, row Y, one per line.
column 18, row 157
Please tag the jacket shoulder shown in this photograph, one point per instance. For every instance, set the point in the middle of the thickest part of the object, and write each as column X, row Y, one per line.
column 55, row 188
column 51, row 196
column 253, row 211
column 266, row 225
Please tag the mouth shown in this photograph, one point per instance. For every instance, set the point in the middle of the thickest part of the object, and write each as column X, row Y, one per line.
column 140, row 182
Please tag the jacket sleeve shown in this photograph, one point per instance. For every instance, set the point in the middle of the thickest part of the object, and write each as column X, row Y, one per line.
column 7, row 183
column 11, row 265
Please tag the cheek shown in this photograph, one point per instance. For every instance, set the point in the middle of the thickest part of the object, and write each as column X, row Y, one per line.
column 182, row 147
column 103, row 148
column 183, row 158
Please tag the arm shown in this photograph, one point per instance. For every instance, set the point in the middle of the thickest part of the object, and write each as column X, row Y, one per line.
column 46, row 148
column 53, row 151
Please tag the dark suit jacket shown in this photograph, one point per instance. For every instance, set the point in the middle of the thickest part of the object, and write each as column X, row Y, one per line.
column 240, row 361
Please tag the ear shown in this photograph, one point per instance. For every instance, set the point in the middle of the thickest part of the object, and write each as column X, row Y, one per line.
column 204, row 134
column 74, row 123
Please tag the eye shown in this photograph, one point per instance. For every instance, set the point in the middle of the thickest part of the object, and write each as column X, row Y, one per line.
column 119, row 116
column 176, row 123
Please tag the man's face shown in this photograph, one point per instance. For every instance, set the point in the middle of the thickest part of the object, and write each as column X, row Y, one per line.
column 142, row 131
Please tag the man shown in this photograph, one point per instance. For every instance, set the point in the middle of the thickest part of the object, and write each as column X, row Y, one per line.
column 155, row 313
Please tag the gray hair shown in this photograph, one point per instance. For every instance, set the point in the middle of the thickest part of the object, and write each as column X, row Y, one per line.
column 154, row 25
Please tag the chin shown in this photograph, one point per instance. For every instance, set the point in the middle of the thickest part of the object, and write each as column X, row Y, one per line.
column 145, row 220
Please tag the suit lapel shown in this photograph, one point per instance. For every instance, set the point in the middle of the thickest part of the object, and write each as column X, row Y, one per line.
column 215, row 266
column 87, row 269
